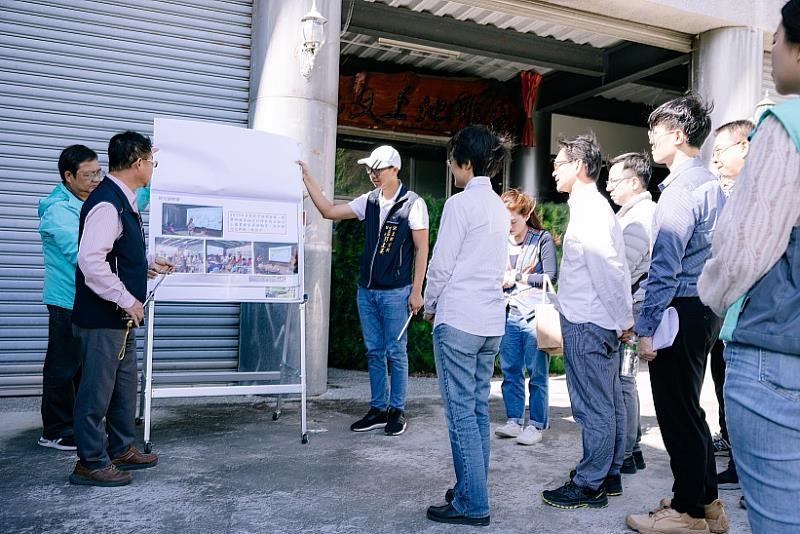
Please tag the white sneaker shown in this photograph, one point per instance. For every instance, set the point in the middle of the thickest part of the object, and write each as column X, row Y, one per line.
column 62, row 444
column 530, row 436
column 511, row 429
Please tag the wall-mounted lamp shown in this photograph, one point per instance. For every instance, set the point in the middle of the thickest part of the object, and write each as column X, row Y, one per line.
column 313, row 28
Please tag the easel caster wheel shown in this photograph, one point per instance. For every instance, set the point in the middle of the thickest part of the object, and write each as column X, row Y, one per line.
column 275, row 416
column 304, row 439
column 148, row 447
column 139, row 421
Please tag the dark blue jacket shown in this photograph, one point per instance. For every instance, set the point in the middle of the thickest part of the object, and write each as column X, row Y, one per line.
column 388, row 257
column 127, row 258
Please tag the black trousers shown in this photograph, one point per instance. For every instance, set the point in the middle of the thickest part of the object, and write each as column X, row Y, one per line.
column 108, row 390
column 61, row 374
column 717, row 364
column 676, row 377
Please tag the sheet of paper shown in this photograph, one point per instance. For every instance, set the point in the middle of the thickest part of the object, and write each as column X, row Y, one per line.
column 226, row 209
column 667, row 329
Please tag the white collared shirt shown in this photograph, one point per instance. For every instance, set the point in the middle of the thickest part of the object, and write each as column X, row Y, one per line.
column 594, row 284
column 465, row 276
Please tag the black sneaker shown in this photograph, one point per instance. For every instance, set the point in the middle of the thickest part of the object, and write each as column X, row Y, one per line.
column 728, row 479
column 375, row 418
column 613, row 484
column 63, row 444
column 570, row 496
column 721, row 446
column 395, row 422
column 628, row 466
column 638, row 457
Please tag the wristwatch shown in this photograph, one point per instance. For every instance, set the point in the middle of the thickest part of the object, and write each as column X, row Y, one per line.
column 518, row 277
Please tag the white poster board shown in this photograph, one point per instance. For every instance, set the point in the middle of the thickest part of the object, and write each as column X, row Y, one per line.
column 226, row 209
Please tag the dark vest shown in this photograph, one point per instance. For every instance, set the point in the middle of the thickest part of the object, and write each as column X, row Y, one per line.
column 127, row 258
column 388, row 257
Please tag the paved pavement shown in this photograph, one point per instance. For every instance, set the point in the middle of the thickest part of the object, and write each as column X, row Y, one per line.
column 225, row 466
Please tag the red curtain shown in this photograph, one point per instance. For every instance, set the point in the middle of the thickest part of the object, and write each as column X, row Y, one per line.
column 530, row 84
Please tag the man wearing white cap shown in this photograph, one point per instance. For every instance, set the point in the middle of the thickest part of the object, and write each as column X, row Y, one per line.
column 395, row 246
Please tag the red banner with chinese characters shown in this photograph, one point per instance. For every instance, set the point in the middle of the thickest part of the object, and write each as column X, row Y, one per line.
column 413, row 103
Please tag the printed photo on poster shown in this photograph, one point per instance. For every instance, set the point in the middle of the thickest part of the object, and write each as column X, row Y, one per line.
column 190, row 220
column 186, row 254
column 229, row 257
column 275, row 258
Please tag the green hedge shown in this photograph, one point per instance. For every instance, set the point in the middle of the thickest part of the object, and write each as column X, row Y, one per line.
column 345, row 343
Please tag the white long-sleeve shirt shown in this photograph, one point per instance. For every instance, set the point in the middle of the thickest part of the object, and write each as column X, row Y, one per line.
column 465, row 276
column 594, row 285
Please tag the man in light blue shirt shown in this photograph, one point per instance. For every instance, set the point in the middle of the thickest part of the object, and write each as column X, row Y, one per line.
column 594, row 298
column 684, row 223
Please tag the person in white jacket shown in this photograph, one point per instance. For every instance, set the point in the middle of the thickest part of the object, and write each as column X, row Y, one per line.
column 628, row 179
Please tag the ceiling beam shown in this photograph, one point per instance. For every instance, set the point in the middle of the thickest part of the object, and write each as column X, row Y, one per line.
column 626, row 63
column 380, row 20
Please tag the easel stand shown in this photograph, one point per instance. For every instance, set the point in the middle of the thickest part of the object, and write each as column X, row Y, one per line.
column 163, row 389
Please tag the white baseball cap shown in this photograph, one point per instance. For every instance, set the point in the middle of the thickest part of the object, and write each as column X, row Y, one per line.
column 382, row 157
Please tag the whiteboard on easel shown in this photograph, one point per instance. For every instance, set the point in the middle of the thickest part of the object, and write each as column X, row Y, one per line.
column 226, row 209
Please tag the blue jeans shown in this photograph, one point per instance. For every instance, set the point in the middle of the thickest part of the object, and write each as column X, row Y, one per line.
column 591, row 361
column 383, row 312
column 762, row 406
column 518, row 351
column 464, row 365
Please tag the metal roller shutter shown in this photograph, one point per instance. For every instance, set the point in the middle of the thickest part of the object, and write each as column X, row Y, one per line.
column 78, row 72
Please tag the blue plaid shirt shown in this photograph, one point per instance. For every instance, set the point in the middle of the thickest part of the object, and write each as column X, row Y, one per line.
column 684, row 222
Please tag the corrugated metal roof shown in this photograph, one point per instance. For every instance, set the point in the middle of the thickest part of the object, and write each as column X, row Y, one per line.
column 467, row 64
column 640, row 94
column 365, row 46
column 488, row 17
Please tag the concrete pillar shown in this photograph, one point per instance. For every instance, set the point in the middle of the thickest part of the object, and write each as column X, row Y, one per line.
column 542, row 178
column 531, row 166
column 282, row 101
column 727, row 71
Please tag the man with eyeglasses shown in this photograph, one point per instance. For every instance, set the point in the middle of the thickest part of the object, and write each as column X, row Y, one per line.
column 395, row 246
column 110, row 289
column 594, row 300
column 684, row 223
column 628, row 178
column 730, row 149
column 59, row 213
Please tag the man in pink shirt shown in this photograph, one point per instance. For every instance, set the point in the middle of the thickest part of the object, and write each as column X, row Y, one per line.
column 110, row 289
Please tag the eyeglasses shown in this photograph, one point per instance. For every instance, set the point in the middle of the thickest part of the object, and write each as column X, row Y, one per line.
column 557, row 164
column 613, row 184
column 717, row 152
column 154, row 162
column 374, row 172
column 656, row 138
column 96, row 175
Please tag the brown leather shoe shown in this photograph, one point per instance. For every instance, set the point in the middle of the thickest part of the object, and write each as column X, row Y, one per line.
column 133, row 459
column 106, row 476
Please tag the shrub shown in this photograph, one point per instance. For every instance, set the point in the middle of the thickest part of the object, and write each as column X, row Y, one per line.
column 345, row 343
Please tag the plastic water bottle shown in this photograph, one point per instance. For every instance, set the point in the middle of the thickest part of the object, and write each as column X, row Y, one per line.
column 630, row 360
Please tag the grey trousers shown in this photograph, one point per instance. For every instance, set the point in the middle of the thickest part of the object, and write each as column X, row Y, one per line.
column 591, row 360
column 633, row 425
column 108, row 389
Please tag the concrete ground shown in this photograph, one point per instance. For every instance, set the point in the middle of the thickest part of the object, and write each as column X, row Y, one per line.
column 225, row 466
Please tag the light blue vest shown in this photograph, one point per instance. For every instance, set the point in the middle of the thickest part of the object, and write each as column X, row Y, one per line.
column 768, row 315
